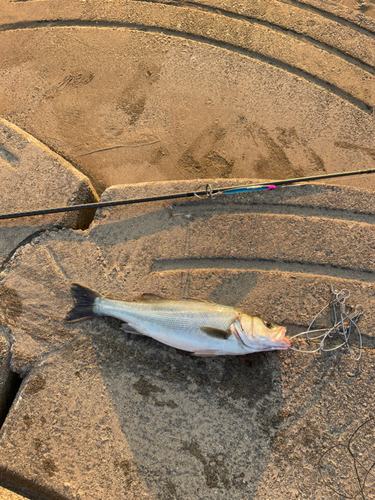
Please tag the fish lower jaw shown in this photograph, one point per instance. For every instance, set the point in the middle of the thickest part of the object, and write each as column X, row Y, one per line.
column 283, row 343
column 270, row 345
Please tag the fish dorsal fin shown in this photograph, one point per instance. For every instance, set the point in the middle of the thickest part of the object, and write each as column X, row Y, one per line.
column 216, row 333
column 148, row 296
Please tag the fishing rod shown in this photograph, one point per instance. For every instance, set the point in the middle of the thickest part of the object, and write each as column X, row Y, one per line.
column 209, row 191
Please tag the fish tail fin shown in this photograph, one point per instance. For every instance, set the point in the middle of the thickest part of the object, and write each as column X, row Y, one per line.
column 84, row 299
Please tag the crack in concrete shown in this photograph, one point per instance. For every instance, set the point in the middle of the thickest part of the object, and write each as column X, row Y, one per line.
column 55, row 260
column 120, row 146
column 11, row 386
column 24, row 242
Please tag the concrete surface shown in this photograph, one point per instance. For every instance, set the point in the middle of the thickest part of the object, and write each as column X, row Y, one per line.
column 9, row 495
column 101, row 411
column 133, row 91
column 32, row 178
column 357, row 11
column 72, row 446
column 5, row 380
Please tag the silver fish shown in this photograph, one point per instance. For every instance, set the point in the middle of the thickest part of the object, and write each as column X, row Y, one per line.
column 202, row 328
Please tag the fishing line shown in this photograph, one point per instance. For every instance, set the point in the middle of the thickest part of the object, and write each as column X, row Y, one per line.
column 208, row 192
column 369, row 471
column 345, row 319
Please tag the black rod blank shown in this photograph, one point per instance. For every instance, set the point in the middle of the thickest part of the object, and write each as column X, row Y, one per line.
column 190, row 194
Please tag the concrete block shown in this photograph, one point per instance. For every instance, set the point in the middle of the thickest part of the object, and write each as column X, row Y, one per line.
column 34, row 177
column 63, row 405
column 140, row 418
column 209, row 89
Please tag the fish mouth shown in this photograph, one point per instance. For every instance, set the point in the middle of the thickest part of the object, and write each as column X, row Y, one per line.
column 280, row 337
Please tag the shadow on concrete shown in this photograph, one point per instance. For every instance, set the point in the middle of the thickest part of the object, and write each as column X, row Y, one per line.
column 197, row 428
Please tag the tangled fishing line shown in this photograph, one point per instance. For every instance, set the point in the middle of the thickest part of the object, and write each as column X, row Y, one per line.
column 345, row 319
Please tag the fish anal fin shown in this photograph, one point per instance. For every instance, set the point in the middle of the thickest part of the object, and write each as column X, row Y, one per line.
column 129, row 329
column 206, row 353
column 216, row 333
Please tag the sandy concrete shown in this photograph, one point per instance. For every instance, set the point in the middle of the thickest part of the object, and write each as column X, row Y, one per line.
column 9, row 495
column 72, row 444
column 253, row 427
column 5, row 356
column 33, row 177
column 136, row 91
column 358, row 11
column 165, row 91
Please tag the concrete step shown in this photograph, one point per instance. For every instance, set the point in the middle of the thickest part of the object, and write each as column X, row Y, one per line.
column 106, row 414
column 204, row 89
column 32, row 178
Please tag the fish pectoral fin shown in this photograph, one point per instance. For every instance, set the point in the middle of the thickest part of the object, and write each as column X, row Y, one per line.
column 216, row 333
column 206, row 353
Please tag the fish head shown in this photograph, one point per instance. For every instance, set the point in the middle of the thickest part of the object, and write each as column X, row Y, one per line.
column 259, row 334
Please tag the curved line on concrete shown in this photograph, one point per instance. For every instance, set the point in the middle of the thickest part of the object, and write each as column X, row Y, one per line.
column 329, row 87
column 362, row 26
column 279, row 29
column 294, row 267
column 22, row 243
column 343, row 21
column 204, row 210
column 353, row 24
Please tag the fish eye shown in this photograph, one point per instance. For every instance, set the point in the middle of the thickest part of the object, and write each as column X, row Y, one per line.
column 267, row 324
